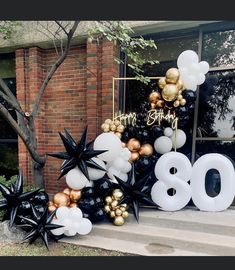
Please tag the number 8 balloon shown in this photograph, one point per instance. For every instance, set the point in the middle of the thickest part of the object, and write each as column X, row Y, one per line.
column 178, row 181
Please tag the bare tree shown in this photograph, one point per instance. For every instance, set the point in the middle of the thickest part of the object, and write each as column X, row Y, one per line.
column 24, row 126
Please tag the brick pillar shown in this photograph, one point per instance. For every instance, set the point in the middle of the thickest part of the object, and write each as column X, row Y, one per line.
column 109, row 69
column 92, row 89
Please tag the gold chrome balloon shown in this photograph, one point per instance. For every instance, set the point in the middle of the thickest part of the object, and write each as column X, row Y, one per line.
column 125, row 214
column 119, row 221
column 146, row 150
column 120, row 128
column 176, row 103
column 169, row 92
column 154, row 97
column 114, row 204
column 72, row 205
column 160, row 104
column 118, row 134
column 117, row 194
column 153, row 105
column 118, row 212
column 112, row 214
column 52, row 208
column 162, row 82
column 108, row 200
column 133, row 145
column 180, row 97
column 113, row 127
column 134, row 156
column 108, row 121
column 107, row 208
column 182, row 102
column 75, row 195
column 172, row 75
column 117, row 123
column 67, row 191
column 180, row 85
column 61, row 199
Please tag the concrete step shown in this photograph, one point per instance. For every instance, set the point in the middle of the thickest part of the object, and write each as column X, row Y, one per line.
column 129, row 247
column 188, row 232
column 190, row 219
column 193, row 241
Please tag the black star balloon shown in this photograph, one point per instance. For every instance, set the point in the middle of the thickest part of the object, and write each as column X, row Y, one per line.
column 39, row 226
column 14, row 197
column 77, row 154
column 135, row 192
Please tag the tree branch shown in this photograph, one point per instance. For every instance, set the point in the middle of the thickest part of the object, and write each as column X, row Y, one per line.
column 23, row 136
column 53, row 69
column 62, row 27
column 9, row 101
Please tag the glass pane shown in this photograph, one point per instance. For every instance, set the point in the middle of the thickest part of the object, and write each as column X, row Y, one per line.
column 8, row 159
column 168, row 50
column 216, row 113
column 219, row 48
column 212, row 180
column 7, row 65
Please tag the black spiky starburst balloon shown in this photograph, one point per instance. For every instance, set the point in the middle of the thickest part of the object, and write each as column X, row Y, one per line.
column 39, row 226
column 13, row 197
column 77, row 154
column 135, row 192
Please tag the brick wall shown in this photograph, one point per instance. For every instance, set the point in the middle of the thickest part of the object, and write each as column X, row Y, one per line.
column 79, row 94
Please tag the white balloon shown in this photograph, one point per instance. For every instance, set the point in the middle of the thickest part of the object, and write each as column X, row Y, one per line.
column 118, row 163
column 178, row 138
column 123, row 176
column 190, row 82
column 127, row 167
column 226, row 170
column 85, row 226
column 163, row 145
column 186, row 58
column 75, row 179
column 166, row 180
column 184, row 72
column 125, row 153
column 58, row 231
column 204, row 67
column 70, row 232
column 168, row 132
column 194, row 69
column 75, row 214
column 200, row 78
column 110, row 142
column 95, row 174
column 62, row 212
column 113, row 172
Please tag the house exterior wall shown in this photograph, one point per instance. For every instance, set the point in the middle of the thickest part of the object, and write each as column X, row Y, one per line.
column 79, row 94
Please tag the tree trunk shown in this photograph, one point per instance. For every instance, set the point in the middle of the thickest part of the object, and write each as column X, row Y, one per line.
column 37, row 171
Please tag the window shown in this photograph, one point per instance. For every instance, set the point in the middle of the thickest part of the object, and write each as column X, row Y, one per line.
column 213, row 129
column 8, row 138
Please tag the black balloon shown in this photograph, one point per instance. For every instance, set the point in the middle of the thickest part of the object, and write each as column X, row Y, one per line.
column 87, row 192
column 135, row 192
column 40, row 198
column 40, row 208
column 40, row 226
column 143, row 164
column 13, row 197
column 88, row 205
column 189, row 95
column 102, row 187
column 77, row 154
column 99, row 201
column 157, row 131
column 98, row 216
column 86, row 215
column 24, row 208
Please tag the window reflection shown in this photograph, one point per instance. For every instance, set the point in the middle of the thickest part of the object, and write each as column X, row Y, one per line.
column 216, row 114
column 219, row 48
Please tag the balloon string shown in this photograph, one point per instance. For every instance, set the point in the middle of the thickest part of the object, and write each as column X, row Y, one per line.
column 176, row 128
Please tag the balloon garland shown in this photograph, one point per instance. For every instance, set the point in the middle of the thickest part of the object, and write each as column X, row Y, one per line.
column 117, row 171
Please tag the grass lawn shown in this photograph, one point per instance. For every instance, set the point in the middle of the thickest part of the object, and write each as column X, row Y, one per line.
column 56, row 249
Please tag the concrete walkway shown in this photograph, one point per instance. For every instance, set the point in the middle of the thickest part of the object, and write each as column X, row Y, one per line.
column 188, row 232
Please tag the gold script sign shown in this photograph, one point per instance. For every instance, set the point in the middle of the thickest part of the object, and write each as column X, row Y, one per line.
column 126, row 119
column 157, row 116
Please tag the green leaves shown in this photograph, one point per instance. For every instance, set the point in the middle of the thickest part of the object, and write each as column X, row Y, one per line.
column 121, row 34
column 7, row 28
